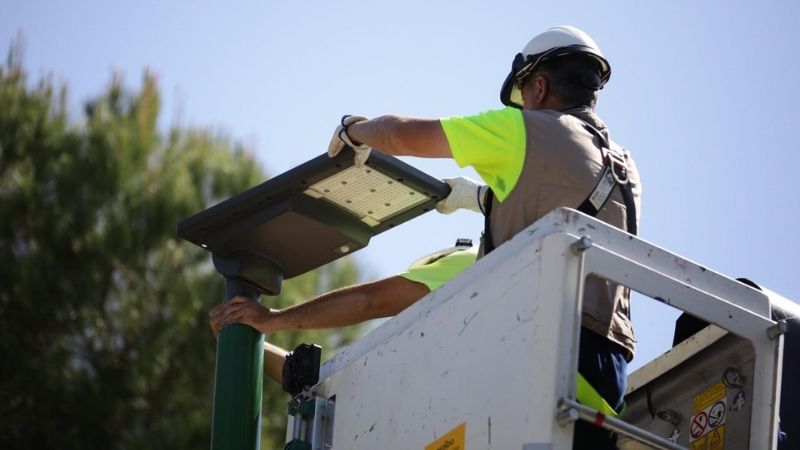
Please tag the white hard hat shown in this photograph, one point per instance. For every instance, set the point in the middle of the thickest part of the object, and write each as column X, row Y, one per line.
column 556, row 41
column 461, row 244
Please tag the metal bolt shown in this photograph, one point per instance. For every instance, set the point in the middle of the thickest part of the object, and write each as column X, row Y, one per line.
column 581, row 245
column 778, row 329
column 567, row 416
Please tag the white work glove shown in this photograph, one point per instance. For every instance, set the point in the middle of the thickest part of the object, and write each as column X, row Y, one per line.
column 340, row 139
column 465, row 193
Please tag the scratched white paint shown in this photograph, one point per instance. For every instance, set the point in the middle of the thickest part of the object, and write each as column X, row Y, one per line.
column 478, row 351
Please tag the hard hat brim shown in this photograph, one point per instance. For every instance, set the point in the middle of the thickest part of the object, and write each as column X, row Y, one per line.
column 510, row 92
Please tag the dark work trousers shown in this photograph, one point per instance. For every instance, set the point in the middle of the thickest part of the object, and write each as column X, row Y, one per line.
column 604, row 366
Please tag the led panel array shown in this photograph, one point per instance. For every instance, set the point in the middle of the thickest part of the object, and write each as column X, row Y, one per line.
column 367, row 193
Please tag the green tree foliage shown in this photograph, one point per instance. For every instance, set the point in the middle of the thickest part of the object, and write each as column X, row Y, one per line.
column 104, row 330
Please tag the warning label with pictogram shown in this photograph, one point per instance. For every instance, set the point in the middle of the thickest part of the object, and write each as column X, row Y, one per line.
column 716, row 439
column 713, row 440
column 716, row 414
column 708, row 413
column 698, row 425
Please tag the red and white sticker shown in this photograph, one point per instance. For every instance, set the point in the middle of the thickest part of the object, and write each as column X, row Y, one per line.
column 699, row 425
column 708, row 413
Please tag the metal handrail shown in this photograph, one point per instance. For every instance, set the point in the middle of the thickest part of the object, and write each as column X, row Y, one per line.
column 568, row 411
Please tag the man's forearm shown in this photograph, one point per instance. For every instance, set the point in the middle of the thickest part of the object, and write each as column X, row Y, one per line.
column 349, row 306
column 403, row 136
column 274, row 357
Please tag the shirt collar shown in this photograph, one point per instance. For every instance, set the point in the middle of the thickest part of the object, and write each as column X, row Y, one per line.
column 587, row 115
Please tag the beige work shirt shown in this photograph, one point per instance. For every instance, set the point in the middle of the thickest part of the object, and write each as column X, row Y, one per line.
column 560, row 167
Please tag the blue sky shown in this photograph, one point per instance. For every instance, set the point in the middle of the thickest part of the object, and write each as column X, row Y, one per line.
column 704, row 94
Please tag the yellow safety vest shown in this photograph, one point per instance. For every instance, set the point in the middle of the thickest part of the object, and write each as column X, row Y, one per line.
column 589, row 396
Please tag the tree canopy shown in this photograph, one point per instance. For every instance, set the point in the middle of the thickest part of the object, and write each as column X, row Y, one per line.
column 103, row 309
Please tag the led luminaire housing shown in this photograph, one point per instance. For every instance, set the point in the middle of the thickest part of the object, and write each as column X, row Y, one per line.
column 313, row 214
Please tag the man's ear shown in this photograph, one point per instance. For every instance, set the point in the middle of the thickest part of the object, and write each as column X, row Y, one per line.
column 542, row 88
column 535, row 89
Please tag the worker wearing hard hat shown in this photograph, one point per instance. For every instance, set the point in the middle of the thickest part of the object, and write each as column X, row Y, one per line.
column 546, row 149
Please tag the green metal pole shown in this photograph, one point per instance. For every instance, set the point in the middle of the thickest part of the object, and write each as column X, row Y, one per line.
column 238, row 382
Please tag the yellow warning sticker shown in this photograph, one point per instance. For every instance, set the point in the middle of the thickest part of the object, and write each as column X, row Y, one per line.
column 708, row 397
column 453, row 440
column 715, row 440
column 707, row 420
column 698, row 445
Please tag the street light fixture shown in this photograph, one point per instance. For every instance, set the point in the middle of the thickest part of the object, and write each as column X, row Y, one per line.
column 302, row 219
